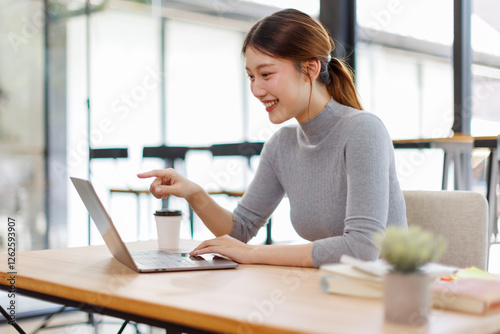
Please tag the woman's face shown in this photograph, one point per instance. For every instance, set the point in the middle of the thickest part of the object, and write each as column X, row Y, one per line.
column 283, row 91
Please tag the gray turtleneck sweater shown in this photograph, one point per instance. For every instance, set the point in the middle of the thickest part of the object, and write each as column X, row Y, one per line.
column 338, row 171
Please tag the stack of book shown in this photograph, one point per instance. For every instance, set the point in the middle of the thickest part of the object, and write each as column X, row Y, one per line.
column 468, row 290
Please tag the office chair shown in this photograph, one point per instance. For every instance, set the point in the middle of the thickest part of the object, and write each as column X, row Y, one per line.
column 168, row 153
column 460, row 216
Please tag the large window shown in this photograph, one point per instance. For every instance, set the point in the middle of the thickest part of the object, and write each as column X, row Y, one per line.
column 206, row 101
column 411, row 41
column 124, row 80
column 204, row 79
column 405, row 75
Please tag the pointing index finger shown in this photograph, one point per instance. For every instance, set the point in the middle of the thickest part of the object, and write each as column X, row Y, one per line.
column 151, row 173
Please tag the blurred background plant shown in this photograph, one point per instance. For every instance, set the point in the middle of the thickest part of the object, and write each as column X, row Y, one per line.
column 409, row 249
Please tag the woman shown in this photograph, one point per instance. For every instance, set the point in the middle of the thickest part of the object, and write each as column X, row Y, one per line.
column 336, row 167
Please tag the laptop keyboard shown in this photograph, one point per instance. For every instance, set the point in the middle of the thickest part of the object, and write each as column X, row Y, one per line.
column 160, row 259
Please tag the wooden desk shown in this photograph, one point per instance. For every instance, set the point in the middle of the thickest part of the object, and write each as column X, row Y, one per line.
column 249, row 299
column 427, row 142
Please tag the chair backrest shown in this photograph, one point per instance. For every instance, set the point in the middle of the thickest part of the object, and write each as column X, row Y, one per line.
column 103, row 153
column 460, row 216
column 167, row 153
column 244, row 149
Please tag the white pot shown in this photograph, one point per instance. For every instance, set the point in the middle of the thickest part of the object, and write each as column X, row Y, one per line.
column 407, row 298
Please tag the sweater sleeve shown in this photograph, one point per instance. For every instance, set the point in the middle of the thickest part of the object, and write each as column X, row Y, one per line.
column 261, row 198
column 367, row 154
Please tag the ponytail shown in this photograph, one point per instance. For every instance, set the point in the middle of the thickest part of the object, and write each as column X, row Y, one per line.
column 338, row 79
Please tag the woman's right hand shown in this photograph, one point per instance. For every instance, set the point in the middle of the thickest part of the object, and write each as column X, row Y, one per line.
column 169, row 182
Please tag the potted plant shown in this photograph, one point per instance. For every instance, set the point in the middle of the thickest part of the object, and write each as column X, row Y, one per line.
column 406, row 287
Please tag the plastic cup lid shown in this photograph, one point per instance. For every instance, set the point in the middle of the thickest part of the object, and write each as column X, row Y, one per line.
column 167, row 212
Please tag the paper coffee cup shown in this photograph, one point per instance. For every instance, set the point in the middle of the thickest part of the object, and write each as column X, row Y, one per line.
column 168, row 226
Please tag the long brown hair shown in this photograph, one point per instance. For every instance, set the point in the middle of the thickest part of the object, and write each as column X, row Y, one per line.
column 294, row 35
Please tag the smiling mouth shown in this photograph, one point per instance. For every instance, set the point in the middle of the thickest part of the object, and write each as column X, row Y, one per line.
column 270, row 104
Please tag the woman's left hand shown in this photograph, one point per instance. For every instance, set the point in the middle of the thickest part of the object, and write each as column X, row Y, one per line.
column 227, row 246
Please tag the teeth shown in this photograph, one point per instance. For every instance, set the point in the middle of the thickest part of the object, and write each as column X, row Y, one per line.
column 270, row 104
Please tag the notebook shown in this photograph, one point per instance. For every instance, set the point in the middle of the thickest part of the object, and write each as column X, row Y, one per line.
column 142, row 261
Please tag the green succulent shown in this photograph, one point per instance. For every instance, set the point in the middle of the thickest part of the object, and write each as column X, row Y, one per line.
column 409, row 249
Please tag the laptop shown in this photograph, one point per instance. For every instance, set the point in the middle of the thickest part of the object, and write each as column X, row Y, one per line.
column 147, row 261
